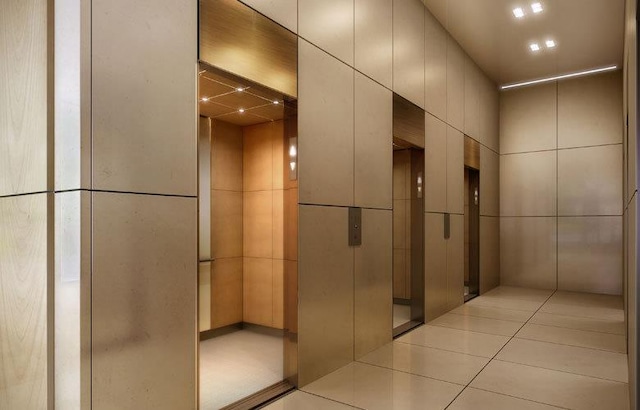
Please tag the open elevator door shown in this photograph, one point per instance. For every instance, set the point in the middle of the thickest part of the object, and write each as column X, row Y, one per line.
column 471, row 218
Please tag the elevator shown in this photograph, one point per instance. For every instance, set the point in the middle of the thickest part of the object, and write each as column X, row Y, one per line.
column 471, row 218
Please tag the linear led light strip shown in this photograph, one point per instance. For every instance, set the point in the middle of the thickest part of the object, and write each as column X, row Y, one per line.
column 559, row 77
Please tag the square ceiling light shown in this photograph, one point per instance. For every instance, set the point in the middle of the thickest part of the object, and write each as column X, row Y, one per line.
column 534, row 47
column 550, row 43
column 518, row 12
column 536, row 8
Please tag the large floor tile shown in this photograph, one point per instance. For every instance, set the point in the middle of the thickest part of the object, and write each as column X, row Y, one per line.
column 461, row 341
column 572, row 359
column 572, row 337
column 552, row 387
column 506, row 303
column 585, row 305
column 513, row 292
column 372, row 387
column 474, row 399
column 615, row 326
column 299, row 400
column 491, row 312
column 424, row 361
column 477, row 324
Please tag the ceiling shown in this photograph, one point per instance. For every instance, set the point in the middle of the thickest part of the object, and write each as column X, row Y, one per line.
column 220, row 98
column 589, row 34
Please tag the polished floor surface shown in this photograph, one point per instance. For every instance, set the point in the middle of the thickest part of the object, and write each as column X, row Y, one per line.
column 238, row 364
column 511, row 348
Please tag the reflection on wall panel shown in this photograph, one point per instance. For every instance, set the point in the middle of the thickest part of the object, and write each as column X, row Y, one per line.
column 204, row 296
column 23, row 85
column 144, row 301
column 237, row 39
column 408, row 121
column 204, row 189
column 435, row 261
column 455, row 263
column 489, row 253
column 23, row 311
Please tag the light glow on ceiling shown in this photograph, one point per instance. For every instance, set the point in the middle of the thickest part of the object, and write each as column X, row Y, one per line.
column 560, row 77
column 536, row 7
column 241, row 110
column 534, row 47
column 550, row 43
column 239, row 89
column 204, row 99
column 518, row 12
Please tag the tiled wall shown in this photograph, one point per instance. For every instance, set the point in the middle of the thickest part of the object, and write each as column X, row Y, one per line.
column 561, row 185
column 352, row 55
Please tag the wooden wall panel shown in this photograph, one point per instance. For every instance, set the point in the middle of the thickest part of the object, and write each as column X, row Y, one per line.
column 471, row 153
column 408, row 122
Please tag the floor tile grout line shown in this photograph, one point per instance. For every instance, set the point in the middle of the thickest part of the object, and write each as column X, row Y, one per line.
column 441, row 349
column 502, row 348
column 485, row 317
column 520, row 398
column 564, row 344
column 561, row 371
column 409, row 373
column 332, row 400
column 574, row 316
column 475, row 331
column 573, row 328
column 460, row 330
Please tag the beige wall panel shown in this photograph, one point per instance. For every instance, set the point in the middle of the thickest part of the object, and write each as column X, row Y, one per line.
column 590, row 254
column 278, row 294
column 489, row 253
column 226, row 292
column 235, row 38
column 528, row 119
column 23, row 100
column 490, row 115
column 455, row 171
column 226, row 156
column 373, row 283
column 226, row 224
column 435, row 68
column 632, row 297
column 144, row 141
column 325, row 291
column 257, row 158
column 373, row 144
column 23, row 312
column 528, row 252
column 590, row 181
column 374, row 39
column 435, row 262
column 257, row 282
column 283, row 12
column 528, row 184
column 144, row 301
column 435, row 164
column 455, row 84
column 257, row 224
column 325, row 124
column 455, row 263
column 489, row 182
column 204, row 296
column 472, row 93
column 408, row 50
column 329, row 25
column 590, row 111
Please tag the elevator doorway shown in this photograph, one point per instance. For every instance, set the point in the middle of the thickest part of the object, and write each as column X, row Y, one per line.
column 471, row 233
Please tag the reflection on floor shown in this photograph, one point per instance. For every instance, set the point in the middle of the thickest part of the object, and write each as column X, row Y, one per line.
column 237, row 365
column 511, row 348
column 401, row 314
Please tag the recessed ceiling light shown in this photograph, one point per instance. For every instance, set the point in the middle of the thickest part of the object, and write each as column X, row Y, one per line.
column 518, row 12
column 241, row 110
column 536, row 7
column 276, row 102
column 204, row 99
column 239, row 89
column 560, row 77
column 550, row 43
column 534, row 47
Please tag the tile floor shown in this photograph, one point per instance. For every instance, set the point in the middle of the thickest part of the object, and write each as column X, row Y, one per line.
column 238, row 364
column 511, row 348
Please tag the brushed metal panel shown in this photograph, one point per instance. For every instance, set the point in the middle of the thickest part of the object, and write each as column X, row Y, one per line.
column 204, row 296
column 435, row 181
column 373, row 144
column 23, row 312
column 590, row 181
column 435, row 260
column 528, row 252
column 435, row 69
column 528, row 184
column 373, row 42
column 326, row 125
column 472, row 90
column 489, row 253
column 632, row 286
column 146, row 140
column 455, row 263
column 144, row 301
column 204, row 189
column 590, row 111
column 455, row 84
column 408, row 121
column 408, row 50
column 489, row 182
column 373, row 283
column 284, row 12
column 471, row 153
column 455, row 171
column 23, row 92
column 237, row 39
column 328, row 24
column 325, row 291
column 528, row 119
column 590, row 254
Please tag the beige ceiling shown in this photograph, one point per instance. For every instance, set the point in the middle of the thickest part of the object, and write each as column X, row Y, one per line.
column 588, row 33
